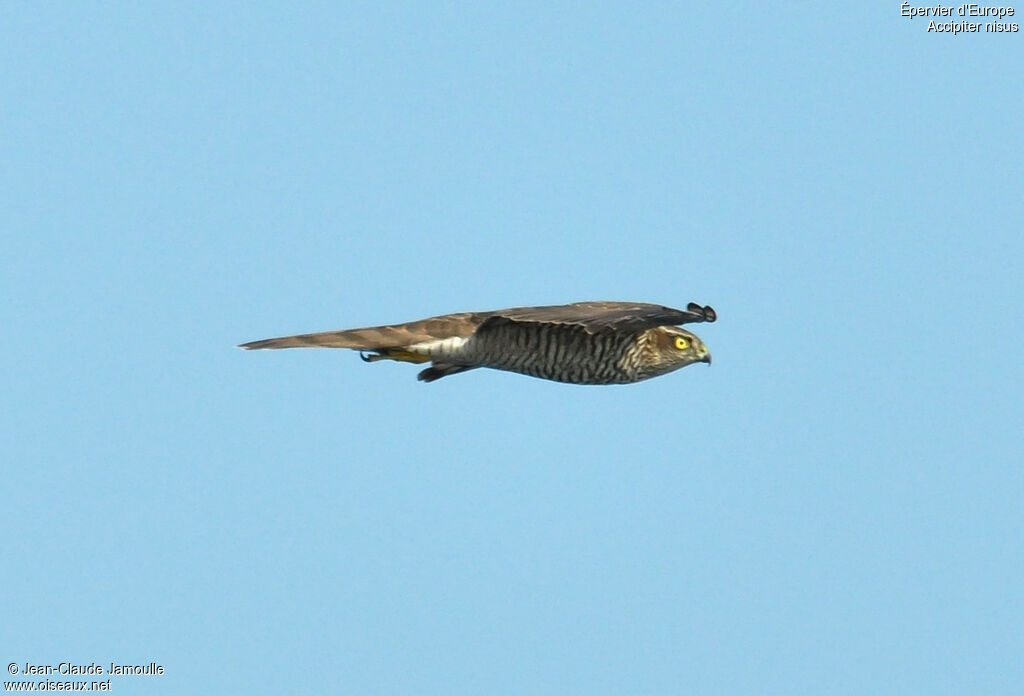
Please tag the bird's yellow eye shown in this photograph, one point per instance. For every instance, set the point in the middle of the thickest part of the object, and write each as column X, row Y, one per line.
column 682, row 343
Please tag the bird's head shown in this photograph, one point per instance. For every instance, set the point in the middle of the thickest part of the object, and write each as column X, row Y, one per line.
column 672, row 347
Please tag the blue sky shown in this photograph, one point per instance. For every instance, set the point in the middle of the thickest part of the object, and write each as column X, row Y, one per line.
column 833, row 507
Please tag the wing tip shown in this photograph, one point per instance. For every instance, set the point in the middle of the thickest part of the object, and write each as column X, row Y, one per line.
column 705, row 313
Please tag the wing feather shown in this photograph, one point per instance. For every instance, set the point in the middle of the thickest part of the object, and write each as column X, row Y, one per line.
column 601, row 316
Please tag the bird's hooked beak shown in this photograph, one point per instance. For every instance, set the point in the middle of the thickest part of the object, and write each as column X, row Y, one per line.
column 705, row 354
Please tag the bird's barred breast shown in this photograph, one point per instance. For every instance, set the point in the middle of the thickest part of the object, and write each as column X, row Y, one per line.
column 551, row 351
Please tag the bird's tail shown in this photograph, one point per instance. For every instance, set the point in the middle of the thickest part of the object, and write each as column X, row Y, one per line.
column 381, row 339
column 370, row 338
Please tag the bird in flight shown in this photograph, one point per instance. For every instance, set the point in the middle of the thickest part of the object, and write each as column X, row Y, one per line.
column 580, row 343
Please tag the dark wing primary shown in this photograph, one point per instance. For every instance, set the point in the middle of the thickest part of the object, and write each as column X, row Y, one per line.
column 379, row 337
column 601, row 316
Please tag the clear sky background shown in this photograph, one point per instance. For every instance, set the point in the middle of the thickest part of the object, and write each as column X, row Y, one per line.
column 834, row 507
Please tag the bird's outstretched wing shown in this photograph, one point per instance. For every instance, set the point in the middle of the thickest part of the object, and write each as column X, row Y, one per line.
column 595, row 317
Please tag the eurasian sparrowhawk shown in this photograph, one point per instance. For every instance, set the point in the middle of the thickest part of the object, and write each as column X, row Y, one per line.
column 581, row 343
